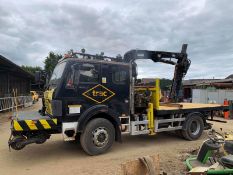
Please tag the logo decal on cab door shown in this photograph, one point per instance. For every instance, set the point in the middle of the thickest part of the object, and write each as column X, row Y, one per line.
column 99, row 93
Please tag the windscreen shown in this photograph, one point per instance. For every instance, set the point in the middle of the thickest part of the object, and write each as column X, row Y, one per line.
column 57, row 74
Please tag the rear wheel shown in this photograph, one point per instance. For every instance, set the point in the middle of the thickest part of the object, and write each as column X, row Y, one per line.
column 98, row 136
column 193, row 127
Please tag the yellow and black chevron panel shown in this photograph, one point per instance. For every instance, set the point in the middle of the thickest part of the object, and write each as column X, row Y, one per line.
column 30, row 125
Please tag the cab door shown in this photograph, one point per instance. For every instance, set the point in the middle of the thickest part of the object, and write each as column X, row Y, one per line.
column 115, row 79
column 88, row 80
column 81, row 95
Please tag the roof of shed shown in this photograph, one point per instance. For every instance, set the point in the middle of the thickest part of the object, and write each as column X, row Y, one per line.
column 7, row 65
column 230, row 76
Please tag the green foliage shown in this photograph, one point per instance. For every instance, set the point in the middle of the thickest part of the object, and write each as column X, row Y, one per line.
column 51, row 61
column 31, row 69
column 165, row 84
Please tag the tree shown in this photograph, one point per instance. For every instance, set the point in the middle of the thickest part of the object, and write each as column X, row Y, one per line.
column 51, row 61
column 165, row 84
column 31, row 69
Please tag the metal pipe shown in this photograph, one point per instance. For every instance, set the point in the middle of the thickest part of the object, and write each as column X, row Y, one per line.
column 150, row 115
column 157, row 93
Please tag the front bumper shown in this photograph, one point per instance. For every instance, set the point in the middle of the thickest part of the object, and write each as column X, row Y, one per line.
column 33, row 121
column 34, row 125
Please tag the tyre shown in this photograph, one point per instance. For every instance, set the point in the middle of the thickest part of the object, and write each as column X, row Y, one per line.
column 41, row 141
column 17, row 143
column 98, row 136
column 77, row 137
column 193, row 127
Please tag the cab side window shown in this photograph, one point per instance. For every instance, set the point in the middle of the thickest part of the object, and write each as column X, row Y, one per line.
column 88, row 73
column 83, row 73
column 119, row 76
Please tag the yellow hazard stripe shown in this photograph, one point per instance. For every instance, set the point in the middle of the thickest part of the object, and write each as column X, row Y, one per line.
column 31, row 124
column 55, row 121
column 45, row 124
column 25, row 125
column 17, row 126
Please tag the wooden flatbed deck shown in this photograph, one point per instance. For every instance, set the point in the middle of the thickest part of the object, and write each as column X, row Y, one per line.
column 175, row 106
column 168, row 108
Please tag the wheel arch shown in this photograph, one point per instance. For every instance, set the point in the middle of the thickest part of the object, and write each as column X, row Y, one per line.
column 100, row 111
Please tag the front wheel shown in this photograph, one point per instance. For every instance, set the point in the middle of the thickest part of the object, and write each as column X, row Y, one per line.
column 193, row 127
column 98, row 136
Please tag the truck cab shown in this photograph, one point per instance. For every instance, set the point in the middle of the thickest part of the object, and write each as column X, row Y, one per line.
column 79, row 89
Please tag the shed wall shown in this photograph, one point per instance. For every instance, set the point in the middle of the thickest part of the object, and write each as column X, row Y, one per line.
column 211, row 96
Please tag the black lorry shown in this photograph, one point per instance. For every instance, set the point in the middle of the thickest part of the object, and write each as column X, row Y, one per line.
column 94, row 99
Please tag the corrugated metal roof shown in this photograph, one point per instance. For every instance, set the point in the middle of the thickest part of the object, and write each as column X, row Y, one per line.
column 7, row 65
column 230, row 76
column 196, row 82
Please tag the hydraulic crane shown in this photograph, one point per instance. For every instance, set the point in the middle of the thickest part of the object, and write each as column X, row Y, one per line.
column 181, row 65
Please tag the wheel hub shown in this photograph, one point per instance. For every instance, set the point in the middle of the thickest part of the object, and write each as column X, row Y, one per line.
column 195, row 127
column 100, row 137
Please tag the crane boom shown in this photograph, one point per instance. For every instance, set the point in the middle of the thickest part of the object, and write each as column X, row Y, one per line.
column 179, row 59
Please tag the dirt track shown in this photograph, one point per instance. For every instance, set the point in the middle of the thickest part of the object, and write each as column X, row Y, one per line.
column 58, row 157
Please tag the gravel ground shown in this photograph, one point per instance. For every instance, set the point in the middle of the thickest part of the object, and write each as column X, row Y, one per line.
column 59, row 157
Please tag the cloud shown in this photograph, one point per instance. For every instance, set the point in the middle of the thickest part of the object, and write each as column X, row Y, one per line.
column 31, row 29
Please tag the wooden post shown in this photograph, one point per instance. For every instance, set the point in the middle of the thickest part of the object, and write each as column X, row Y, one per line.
column 16, row 104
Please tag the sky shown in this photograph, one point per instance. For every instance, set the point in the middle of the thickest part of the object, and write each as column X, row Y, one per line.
column 30, row 29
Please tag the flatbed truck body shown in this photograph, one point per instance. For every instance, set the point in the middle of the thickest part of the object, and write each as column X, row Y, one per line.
column 95, row 101
column 28, row 121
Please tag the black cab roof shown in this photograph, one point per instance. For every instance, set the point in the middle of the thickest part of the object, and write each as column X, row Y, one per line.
column 93, row 61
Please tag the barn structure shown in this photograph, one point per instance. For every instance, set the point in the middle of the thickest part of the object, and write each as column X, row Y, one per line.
column 14, row 77
column 208, row 90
